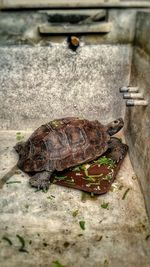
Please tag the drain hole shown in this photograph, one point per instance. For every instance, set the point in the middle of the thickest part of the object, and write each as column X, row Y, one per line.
column 73, row 18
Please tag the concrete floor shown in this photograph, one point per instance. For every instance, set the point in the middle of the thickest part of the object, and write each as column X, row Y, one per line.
column 112, row 237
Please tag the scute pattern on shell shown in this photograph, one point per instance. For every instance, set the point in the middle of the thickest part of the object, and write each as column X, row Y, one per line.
column 64, row 143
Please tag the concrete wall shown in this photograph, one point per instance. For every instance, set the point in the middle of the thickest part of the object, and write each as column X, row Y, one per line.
column 21, row 27
column 41, row 80
column 138, row 118
column 42, row 83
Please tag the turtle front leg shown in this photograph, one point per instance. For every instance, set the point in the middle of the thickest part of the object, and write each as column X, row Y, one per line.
column 117, row 150
column 41, row 180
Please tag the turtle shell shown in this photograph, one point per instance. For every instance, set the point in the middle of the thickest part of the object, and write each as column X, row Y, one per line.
column 63, row 143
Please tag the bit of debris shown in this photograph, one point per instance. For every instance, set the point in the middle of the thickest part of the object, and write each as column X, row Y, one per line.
column 13, row 182
column 125, row 193
column 84, row 196
column 66, row 244
column 98, row 238
column 8, row 240
column 77, row 168
column 44, row 190
column 26, row 206
column 51, row 197
column 82, row 224
column 19, row 136
column 120, row 187
column 58, row 264
column 92, row 194
column 116, row 186
column 106, row 263
column 45, row 244
column 105, row 161
column 80, row 235
column 22, row 248
column 55, row 123
column 75, row 213
column 84, row 167
column 70, row 181
column 105, row 205
column 147, row 237
column 17, row 172
column 134, row 177
column 108, row 177
column 60, row 177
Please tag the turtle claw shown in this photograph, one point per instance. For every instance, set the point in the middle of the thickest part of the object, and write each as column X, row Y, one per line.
column 118, row 155
column 117, row 149
column 40, row 181
column 39, row 184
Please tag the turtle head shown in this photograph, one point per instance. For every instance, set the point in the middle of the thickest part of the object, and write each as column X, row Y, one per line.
column 114, row 126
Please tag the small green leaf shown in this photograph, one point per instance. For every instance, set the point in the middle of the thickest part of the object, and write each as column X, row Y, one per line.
column 105, row 263
column 82, row 167
column 89, row 178
column 8, row 240
column 125, row 193
column 69, row 182
column 58, row 264
column 75, row 169
column 19, row 136
column 84, row 196
column 120, row 187
column 108, row 178
column 17, row 172
column 75, row 213
column 105, row 205
column 82, row 224
column 22, row 248
column 13, row 182
column 105, row 161
column 55, row 123
column 59, row 178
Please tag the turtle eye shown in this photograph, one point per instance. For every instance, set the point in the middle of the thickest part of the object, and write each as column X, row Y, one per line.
column 116, row 121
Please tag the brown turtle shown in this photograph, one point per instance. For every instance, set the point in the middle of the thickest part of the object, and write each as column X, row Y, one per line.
column 64, row 143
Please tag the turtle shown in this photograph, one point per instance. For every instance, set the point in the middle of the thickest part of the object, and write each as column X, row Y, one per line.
column 64, row 143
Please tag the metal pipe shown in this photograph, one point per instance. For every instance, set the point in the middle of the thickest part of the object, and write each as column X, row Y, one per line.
column 133, row 96
column 136, row 102
column 123, row 89
column 130, row 89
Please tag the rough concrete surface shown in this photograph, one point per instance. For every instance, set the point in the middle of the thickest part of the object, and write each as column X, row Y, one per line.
column 137, row 119
column 137, row 126
column 38, row 84
column 112, row 237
